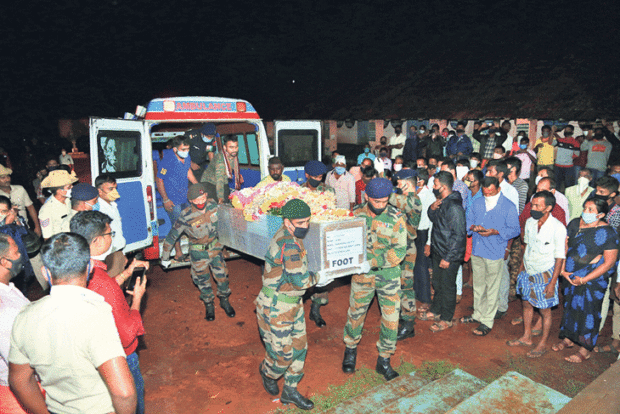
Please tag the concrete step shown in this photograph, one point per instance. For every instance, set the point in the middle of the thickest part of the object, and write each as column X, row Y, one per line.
column 438, row 396
column 513, row 393
column 374, row 399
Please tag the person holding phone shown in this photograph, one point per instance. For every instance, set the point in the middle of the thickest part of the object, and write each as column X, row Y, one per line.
column 94, row 226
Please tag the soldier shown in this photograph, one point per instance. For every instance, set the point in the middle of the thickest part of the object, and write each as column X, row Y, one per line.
column 386, row 249
column 408, row 203
column 199, row 223
column 314, row 171
column 223, row 173
column 279, row 306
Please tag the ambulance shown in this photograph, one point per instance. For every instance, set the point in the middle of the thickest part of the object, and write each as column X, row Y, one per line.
column 128, row 149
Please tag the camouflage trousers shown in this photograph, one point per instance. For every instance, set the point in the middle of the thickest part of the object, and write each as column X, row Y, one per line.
column 407, row 293
column 514, row 264
column 282, row 326
column 320, row 296
column 201, row 260
column 386, row 284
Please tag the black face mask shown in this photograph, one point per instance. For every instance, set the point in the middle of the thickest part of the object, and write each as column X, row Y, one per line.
column 16, row 266
column 536, row 215
column 598, row 136
column 437, row 193
column 376, row 211
column 314, row 183
column 300, row 232
column 53, row 168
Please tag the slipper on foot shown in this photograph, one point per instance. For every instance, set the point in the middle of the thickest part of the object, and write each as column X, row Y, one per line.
column 560, row 346
column 517, row 342
column 468, row 319
column 481, row 330
column 579, row 356
column 536, row 354
column 606, row 349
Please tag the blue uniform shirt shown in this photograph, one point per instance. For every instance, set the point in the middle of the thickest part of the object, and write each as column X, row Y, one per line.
column 174, row 175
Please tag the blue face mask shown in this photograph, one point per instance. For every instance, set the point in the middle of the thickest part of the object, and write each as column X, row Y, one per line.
column 523, row 146
column 340, row 170
column 589, row 218
column 205, row 138
column 366, row 150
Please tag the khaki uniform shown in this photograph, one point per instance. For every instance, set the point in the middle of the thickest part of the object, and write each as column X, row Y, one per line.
column 205, row 250
column 51, row 216
column 279, row 308
column 386, row 248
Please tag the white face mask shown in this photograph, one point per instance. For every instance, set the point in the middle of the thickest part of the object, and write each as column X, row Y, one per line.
column 473, row 163
column 461, row 172
column 496, row 156
column 491, row 201
column 582, row 183
column 183, row 154
column 398, row 167
column 68, row 195
column 102, row 257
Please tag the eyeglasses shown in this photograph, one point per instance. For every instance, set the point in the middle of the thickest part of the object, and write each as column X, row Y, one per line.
column 111, row 234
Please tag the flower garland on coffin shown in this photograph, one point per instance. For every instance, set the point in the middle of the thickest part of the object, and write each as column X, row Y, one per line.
column 271, row 198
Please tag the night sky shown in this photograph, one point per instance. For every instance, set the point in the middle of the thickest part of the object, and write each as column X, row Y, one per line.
column 72, row 59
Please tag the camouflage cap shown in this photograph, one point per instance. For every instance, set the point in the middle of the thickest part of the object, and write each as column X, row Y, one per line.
column 296, row 209
column 196, row 190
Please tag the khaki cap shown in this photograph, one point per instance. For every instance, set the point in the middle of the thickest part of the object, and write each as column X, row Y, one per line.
column 58, row 178
column 5, row 171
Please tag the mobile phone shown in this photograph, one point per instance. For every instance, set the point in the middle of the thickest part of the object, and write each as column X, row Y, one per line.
column 136, row 277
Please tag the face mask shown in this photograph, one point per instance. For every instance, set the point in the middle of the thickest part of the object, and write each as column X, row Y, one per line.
column 545, row 134
column 2, row 217
column 53, row 168
column 102, row 257
column 461, row 172
column 568, row 133
column 206, row 139
column 366, row 150
column 200, row 206
column 314, row 183
column 300, row 232
column 340, row 170
column 583, row 182
column 589, row 218
column 497, row 156
column 536, row 215
column 467, row 183
column 114, row 195
column 183, row 154
column 376, row 211
column 432, row 166
column 523, row 146
column 537, row 180
column 437, row 193
column 473, row 163
column 94, row 207
column 383, row 154
column 422, row 131
column 16, row 266
column 598, row 136
column 68, row 195
column 398, row 167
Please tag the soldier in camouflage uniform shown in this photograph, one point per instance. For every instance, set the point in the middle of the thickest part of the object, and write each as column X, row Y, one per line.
column 279, row 306
column 222, row 174
column 386, row 249
column 315, row 171
column 408, row 203
column 199, row 223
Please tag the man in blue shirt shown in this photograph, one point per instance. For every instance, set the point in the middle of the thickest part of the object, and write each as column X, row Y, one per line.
column 492, row 221
column 460, row 144
column 173, row 173
column 366, row 154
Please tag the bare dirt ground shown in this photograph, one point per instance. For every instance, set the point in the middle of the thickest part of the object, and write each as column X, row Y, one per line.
column 194, row 366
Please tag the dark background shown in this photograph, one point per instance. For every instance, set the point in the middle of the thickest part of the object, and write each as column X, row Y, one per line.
column 292, row 59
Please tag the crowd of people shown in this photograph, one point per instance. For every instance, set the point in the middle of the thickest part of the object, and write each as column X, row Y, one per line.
column 512, row 220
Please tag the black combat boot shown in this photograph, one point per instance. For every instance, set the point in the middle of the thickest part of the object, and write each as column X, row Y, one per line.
column 348, row 363
column 405, row 330
column 291, row 395
column 315, row 315
column 210, row 311
column 384, row 368
column 225, row 304
column 270, row 385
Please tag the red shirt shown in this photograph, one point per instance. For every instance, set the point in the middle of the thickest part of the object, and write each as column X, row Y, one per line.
column 128, row 321
column 360, row 186
column 557, row 212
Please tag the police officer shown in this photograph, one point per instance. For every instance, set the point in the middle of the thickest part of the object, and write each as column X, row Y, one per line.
column 315, row 170
column 199, row 223
column 409, row 204
column 58, row 206
column 202, row 147
column 386, row 249
column 279, row 306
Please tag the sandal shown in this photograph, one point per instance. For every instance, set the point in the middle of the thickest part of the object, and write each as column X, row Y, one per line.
column 517, row 342
column 424, row 316
column 468, row 319
column 440, row 326
column 482, row 330
column 536, row 332
column 560, row 346
column 517, row 321
column 580, row 358
column 606, row 349
column 537, row 354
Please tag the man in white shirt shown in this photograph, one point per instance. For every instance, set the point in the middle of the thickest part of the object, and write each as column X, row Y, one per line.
column 397, row 142
column 108, row 194
column 421, row 275
column 343, row 183
column 11, row 303
column 69, row 340
column 537, row 283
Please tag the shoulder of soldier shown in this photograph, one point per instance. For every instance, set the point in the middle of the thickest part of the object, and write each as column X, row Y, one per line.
column 359, row 209
column 394, row 213
column 187, row 211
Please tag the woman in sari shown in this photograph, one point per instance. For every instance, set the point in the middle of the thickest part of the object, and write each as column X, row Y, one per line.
column 592, row 249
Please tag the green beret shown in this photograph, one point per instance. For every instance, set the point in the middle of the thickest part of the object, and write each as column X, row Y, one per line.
column 196, row 190
column 296, row 209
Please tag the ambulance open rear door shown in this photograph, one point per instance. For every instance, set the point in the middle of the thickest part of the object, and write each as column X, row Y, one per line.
column 122, row 149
